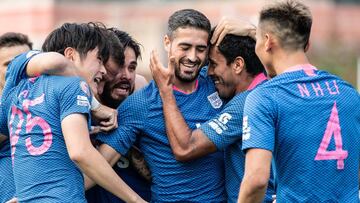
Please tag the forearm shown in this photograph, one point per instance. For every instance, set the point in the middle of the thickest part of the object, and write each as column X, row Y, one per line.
column 178, row 131
column 100, row 171
column 50, row 63
column 250, row 193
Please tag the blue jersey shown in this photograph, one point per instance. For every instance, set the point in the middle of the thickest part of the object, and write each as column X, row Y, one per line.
column 7, row 186
column 225, row 131
column 310, row 120
column 43, row 171
column 141, row 116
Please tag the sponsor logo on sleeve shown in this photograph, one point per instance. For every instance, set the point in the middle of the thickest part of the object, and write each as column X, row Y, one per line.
column 246, row 128
column 83, row 101
column 215, row 100
column 216, row 127
column 219, row 124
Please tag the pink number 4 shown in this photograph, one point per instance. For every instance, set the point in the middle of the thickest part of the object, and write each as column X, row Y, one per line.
column 332, row 128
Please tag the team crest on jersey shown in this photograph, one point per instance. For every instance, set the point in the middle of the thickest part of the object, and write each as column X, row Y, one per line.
column 215, row 100
column 85, row 88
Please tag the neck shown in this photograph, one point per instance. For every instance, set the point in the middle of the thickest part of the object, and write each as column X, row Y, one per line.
column 244, row 82
column 185, row 87
column 286, row 60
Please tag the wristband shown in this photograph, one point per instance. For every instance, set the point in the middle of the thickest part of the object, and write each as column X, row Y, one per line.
column 95, row 104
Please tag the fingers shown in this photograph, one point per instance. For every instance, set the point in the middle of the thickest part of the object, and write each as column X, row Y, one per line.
column 95, row 130
column 227, row 25
column 171, row 64
column 111, row 123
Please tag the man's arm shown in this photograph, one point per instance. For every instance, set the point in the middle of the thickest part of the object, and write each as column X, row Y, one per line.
column 233, row 26
column 89, row 159
column 185, row 143
column 256, row 176
column 51, row 63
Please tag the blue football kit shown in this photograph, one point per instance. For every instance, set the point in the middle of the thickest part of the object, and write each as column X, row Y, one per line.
column 225, row 131
column 140, row 117
column 310, row 121
column 7, row 186
column 43, row 171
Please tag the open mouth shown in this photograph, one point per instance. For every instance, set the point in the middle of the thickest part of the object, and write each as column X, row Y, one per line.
column 97, row 79
column 215, row 79
column 122, row 88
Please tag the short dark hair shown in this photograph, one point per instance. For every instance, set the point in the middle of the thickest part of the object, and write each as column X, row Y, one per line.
column 82, row 37
column 10, row 39
column 116, row 48
column 290, row 21
column 233, row 46
column 188, row 18
column 127, row 41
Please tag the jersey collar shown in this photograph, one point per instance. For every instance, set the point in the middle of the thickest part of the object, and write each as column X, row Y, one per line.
column 257, row 80
column 307, row 68
column 179, row 90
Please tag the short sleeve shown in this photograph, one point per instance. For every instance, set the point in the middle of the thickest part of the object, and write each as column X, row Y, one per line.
column 3, row 121
column 75, row 97
column 17, row 69
column 226, row 128
column 259, row 121
column 131, row 117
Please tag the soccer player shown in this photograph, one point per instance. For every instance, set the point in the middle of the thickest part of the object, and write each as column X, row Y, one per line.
column 142, row 119
column 308, row 119
column 117, row 84
column 235, row 70
column 11, row 45
column 48, row 118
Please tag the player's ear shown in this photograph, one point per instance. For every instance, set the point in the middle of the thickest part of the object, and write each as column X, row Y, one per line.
column 238, row 65
column 70, row 53
column 167, row 42
column 268, row 42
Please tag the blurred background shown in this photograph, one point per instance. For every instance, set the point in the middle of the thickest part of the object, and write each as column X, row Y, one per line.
column 335, row 37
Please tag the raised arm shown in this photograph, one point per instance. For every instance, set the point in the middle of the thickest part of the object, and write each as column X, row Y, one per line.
column 232, row 26
column 90, row 160
column 186, row 144
column 51, row 63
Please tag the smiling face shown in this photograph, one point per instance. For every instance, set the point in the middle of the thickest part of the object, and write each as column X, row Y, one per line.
column 222, row 74
column 92, row 68
column 189, row 47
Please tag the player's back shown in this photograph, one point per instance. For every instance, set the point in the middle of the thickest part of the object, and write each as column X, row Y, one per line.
column 317, row 128
column 43, row 171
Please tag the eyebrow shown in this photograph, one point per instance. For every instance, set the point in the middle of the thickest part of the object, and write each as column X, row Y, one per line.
column 188, row 44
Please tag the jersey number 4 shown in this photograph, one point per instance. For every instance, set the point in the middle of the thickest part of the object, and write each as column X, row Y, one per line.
column 332, row 128
column 29, row 125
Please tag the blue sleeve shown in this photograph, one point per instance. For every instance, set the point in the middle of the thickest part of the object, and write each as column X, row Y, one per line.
column 74, row 96
column 17, row 69
column 3, row 121
column 226, row 128
column 132, row 114
column 259, row 121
